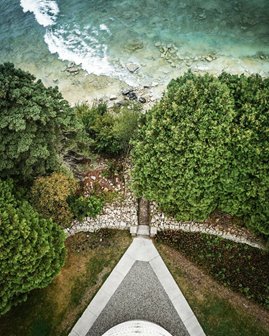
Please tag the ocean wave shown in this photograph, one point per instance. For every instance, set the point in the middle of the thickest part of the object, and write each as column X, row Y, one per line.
column 72, row 47
column 85, row 47
column 45, row 11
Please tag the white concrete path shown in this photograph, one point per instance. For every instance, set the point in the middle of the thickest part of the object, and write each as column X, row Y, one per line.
column 141, row 249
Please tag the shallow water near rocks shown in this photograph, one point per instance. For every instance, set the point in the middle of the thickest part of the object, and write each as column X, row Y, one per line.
column 161, row 38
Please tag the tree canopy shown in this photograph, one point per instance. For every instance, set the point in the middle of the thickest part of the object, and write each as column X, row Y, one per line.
column 34, row 124
column 204, row 146
column 32, row 249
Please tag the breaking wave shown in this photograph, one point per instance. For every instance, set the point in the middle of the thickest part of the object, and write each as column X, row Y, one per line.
column 45, row 11
column 69, row 41
column 81, row 47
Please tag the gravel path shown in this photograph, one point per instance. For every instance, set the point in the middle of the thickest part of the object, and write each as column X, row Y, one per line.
column 139, row 296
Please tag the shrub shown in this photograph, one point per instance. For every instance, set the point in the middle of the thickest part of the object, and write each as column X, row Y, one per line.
column 181, row 151
column 247, row 180
column 82, row 207
column 50, row 194
column 32, row 249
column 109, row 132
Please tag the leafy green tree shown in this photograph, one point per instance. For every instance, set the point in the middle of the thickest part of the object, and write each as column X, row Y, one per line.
column 50, row 194
column 35, row 124
column 205, row 146
column 32, row 249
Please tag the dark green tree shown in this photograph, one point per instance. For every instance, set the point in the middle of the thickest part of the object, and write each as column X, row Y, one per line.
column 35, row 124
column 205, row 146
column 182, row 151
column 31, row 249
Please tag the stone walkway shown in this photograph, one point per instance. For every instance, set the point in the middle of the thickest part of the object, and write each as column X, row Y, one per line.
column 139, row 287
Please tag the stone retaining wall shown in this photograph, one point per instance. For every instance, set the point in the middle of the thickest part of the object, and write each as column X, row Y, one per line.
column 119, row 215
column 123, row 215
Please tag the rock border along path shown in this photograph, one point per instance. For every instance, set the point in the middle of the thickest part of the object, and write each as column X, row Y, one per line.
column 125, row 215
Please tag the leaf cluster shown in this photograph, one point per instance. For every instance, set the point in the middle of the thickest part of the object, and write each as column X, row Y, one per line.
column 82, row 207
column 109, row 132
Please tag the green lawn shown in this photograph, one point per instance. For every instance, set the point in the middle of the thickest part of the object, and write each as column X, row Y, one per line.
column 220, row 311
column 54, row 310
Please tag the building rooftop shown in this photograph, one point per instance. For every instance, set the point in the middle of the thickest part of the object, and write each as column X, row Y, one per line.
column 139, row 296
column 136, row 328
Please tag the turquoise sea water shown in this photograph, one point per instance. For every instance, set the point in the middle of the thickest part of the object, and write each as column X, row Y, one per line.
column 103, row 36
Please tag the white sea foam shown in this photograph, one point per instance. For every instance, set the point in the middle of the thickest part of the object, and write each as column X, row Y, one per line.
column 89, row 54
column 72, row 44
column 105, row 28
column 45, row 11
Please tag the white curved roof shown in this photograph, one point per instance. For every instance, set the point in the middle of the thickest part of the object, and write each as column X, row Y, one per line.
column 137, row 328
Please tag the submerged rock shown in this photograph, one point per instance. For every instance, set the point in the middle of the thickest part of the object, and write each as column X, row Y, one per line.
column 132, row 67
column 134, row 45
column 202, row 16
column 209, row 59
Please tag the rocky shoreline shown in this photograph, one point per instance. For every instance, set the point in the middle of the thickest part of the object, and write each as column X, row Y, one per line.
column 169, row 63
column 78, row 86
column 145, row 72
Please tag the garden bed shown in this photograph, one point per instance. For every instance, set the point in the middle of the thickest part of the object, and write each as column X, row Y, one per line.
column 220, row 311
column 238, row 266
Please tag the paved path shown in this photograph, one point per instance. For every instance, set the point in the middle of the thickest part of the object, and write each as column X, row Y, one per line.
column 139, row 287
column 140, row 296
